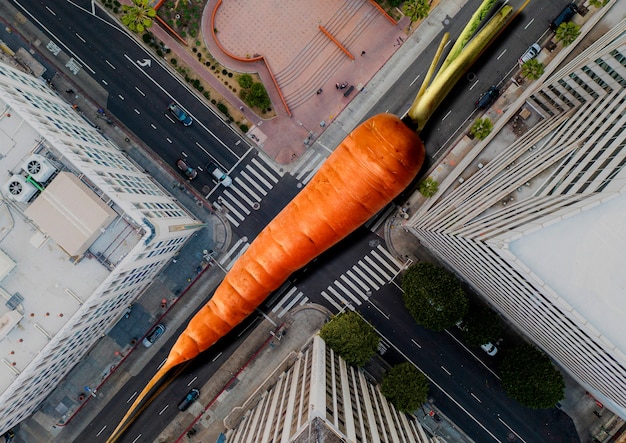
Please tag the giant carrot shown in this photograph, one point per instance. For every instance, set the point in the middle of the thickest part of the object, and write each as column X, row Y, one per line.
column 370, row 167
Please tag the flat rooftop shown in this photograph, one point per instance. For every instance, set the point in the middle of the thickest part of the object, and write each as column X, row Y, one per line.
column 41, row 284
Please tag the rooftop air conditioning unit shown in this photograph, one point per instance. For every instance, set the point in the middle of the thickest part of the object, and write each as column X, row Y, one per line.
column 39, row 167
column 18, row 189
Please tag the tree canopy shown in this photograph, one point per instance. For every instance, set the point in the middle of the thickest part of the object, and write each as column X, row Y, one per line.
column 138, row 16
column 532, row 69
column 428, row 187
column 481, row 325
column 416, row 9
column 433, row 296
column 351, row 337
column 405, row 387
column 481, row 128
column 567, row 32
column 255, row 96
column 529, row 377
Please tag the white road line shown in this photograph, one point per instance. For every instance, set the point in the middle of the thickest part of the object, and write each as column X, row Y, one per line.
column 290, row 305
column 311, row 174
column 473, row 355
column 121, row 97
column 216, row 357
column 137, row 111
column 253, row 183
column 446, row 116
column 104, row 82
column 80, row 38
column 303, row 163
column 163, row 410
column 168, row 139
column 315, row 158
column 262, row 168
column 384, row 262
column 194, row 379
column 161, row 364
column 529, row 23
column 353, row 286
column 475, row 83
column 331, row 301
column 373, row 264
column 474, row 395
column 339, row 297
column 234, row 200
column 101, row 431
column 138, row 437
column 110, row 64
column 231, row 250
column 357, row 280
column 415, row 79
column 250, row 192
column 243, row 195
column 364, row 276
column 259, row 177
column 501, row 54
column 416, row 344
column 276, row 169
column 131, row 397
column 284, row 298
column 140, row 91
column 354, row 298
column 379, row 218
column 379, row 310
column 232, row 220
column 169, row 118
column 239, row 254
column 152, row 125
column 51, row 11
column 42, row 26
column 511, row 429
column 391, row 258
column 445, row 370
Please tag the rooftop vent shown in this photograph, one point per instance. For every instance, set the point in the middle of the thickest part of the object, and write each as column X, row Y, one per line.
column 18, row 189
column 39, row 167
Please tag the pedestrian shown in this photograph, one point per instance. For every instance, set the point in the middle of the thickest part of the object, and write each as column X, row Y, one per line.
column 337, row 85
column 69, row 91
column 362, row 53
column 319, row 91
column 241, row 108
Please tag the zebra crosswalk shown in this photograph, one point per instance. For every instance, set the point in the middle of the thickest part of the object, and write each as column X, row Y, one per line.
column 307, row 166
column 349, row 290
column 250, row 185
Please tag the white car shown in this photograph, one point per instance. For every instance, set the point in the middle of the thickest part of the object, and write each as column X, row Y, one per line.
column 219, row 175
column 490, row 349
column 530, row 53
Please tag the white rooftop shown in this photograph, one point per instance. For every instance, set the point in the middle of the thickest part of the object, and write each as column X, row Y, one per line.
column 51, row 282
column 582, row 259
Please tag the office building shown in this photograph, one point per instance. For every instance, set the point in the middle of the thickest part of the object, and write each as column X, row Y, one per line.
column 83, row 231
column 321, row 399
column 534, row 217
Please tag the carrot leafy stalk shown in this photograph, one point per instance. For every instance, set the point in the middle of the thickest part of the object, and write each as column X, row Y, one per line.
column 370, row 167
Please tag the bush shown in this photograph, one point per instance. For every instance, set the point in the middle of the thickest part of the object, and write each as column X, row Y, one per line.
column 245, row 81
column 405, row 387
column 222, row 107
column 351, row 337
column 428, row 187
column 244, row 128
column 257, row 96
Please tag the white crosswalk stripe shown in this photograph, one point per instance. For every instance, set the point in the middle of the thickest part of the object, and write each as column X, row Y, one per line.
column 307, row 166
column 235, row 251
column 377, row 268
column 250, row 185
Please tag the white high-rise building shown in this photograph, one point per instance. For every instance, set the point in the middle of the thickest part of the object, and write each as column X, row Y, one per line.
column 535, row 218
column 321, row 399
column 83, row 231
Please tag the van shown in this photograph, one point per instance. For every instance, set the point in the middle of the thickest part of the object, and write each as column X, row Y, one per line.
column 565, row 16
column 218, row 174
column 188, row 399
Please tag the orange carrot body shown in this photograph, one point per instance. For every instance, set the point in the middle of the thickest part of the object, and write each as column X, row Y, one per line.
column 376, row 162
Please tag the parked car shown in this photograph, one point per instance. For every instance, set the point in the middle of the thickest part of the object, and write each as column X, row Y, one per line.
column 153, row 335
column 188, row 400
column 218, row 174
column 490, row 349
column 180, row 114
column 184, row 167
column 530, row 53
column 487, row 98
column 564, row 16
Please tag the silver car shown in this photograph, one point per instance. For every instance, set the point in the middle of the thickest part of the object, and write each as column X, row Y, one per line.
column 530, row 53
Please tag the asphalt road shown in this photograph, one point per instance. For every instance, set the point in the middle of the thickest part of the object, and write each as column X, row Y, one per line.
column 463, row 388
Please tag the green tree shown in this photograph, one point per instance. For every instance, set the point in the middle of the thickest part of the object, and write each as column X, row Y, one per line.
column 598, row 3
column 256, row 96
column 428, row 187
column 354, row 339
column 566, row 33
column 532, row 69
column 529, row 377
column 481, row 325
column 138, row 16
column 416, row 9
column 245, row 81
column 405, row 387
column 481, row 128
column 433, row 296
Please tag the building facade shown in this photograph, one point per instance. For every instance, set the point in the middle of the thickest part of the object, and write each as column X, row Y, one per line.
column 320, row 398
column 534, row 217
column 83, row 231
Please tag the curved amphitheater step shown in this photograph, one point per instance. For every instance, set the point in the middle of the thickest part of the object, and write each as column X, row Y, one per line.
column 329, row 60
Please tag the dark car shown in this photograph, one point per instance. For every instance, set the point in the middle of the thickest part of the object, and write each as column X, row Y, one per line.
column 180, row 114
column 487, row 98
column 188, row 400
column 153, row 335
column 565, row 15
column 189, row 172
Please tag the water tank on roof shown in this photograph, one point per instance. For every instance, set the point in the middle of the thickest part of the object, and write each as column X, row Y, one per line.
column 39, row 167
column 18, row 189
